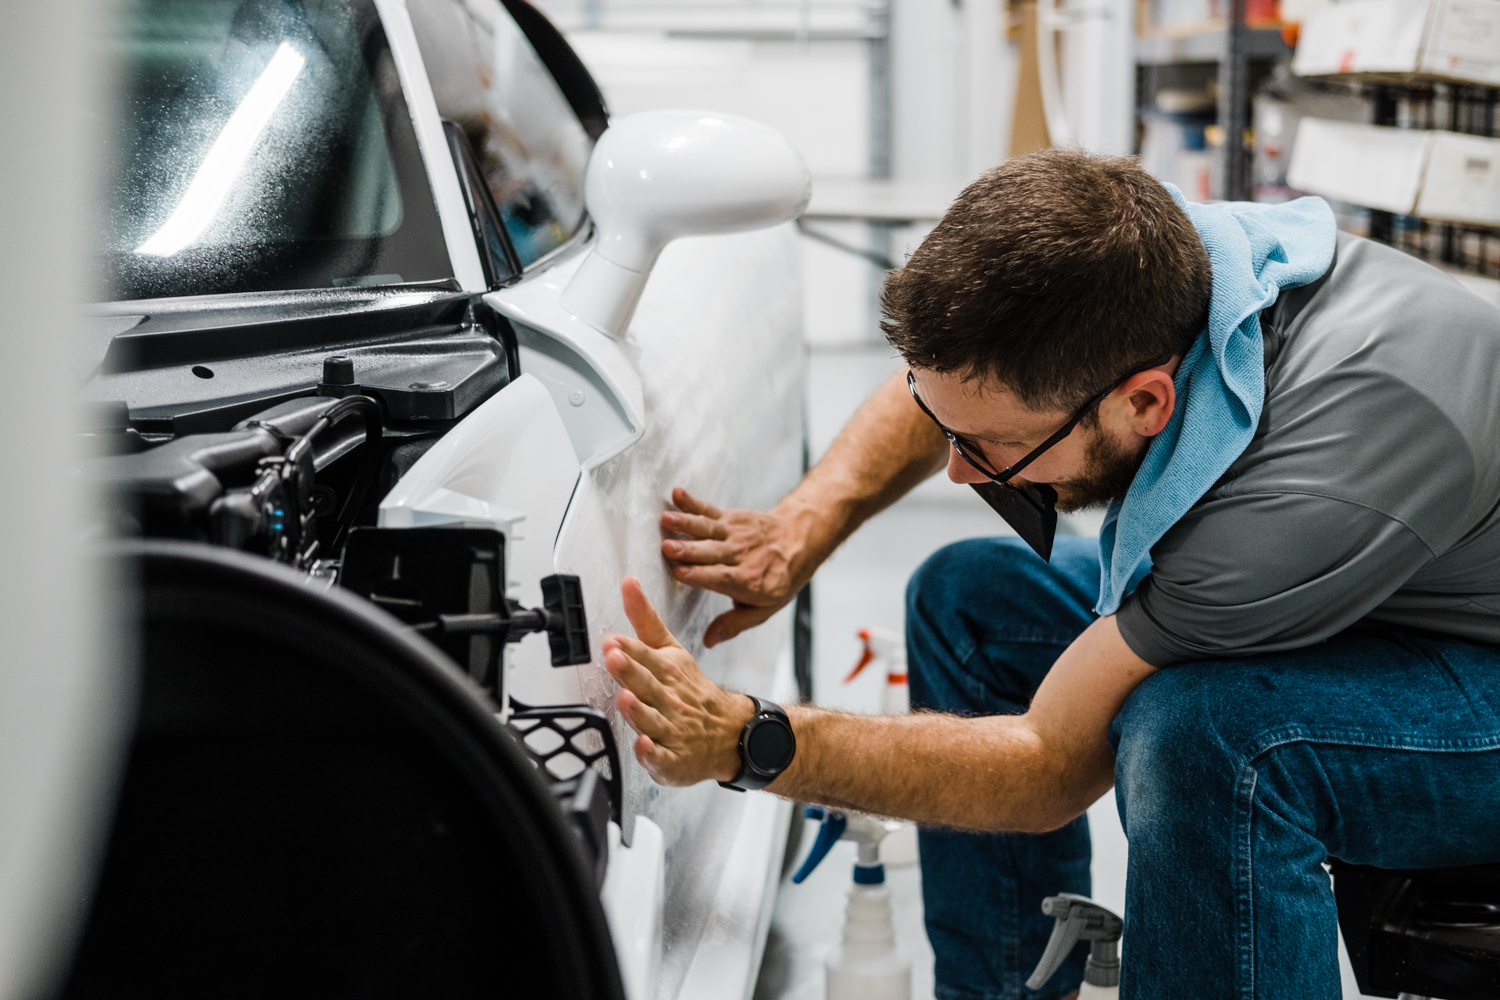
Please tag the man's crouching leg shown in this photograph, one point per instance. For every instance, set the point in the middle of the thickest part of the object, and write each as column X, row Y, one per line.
column 1236, row 779
column 985, row 620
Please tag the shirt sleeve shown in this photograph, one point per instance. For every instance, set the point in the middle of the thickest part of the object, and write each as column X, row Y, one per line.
column 1264, row 572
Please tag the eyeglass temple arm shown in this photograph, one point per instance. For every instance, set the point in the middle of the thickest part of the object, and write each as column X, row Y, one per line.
column 1057, row 436
column 1005, row 476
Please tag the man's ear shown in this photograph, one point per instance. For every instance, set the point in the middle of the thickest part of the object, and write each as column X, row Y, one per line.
column 1150, row 398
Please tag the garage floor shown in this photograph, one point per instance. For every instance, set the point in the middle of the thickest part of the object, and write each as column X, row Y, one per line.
column 863, row 585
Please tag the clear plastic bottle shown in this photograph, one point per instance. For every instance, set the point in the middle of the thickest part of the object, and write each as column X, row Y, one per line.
column 867, row 964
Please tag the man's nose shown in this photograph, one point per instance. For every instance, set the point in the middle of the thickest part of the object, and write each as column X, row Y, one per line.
column 961, row 471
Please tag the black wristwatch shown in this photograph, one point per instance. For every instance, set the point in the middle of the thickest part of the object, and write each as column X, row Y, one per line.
column 767, row 747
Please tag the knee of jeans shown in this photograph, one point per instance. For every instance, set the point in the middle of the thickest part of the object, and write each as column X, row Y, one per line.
column 1172, row 737
column 959, row 595
column 964, row 574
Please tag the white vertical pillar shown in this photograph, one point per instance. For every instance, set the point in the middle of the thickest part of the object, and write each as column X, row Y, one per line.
column 990, row 82
column 56, row 696
column 954, row 87
column 1098, row 73
column 924, row 37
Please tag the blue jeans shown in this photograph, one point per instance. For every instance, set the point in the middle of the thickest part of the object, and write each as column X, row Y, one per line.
column 1235, row 779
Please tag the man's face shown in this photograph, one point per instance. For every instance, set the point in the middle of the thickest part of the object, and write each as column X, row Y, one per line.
column 1090, row 466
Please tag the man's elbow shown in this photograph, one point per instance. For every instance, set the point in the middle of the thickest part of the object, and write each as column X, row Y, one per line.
column 1010, row 820
column 1050, row 803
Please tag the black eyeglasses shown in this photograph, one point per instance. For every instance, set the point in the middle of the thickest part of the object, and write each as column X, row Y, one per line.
column 1031, row 510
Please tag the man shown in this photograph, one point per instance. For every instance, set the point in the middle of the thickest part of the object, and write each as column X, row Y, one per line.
column 1304, row 434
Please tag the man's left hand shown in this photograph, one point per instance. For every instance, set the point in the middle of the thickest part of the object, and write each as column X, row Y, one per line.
column 689, row 726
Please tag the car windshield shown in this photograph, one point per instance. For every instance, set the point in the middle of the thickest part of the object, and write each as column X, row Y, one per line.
column 260, row 145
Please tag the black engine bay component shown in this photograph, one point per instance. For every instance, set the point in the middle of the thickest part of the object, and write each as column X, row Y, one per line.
column 585, row 802
column 574, row 747
column 566, row 740
column 294, row 473
column 448, row 583
column 428, row 357
column 252, row 487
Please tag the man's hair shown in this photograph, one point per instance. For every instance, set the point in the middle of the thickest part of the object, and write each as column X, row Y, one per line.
column 1057, row 275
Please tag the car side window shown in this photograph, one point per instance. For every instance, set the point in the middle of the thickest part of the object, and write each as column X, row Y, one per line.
column 531, row 148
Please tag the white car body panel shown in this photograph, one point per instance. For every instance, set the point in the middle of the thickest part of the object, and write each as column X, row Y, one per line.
column 575, row 460
column 545, row 328
column 634, row 896
column 722, row 964
column 717, row 354
column 718, row 346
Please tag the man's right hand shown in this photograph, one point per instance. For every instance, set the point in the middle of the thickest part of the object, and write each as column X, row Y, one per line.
column 756, row 558
column 761, row 559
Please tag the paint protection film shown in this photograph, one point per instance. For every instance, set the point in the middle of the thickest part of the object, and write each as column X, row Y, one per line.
column 259, row 145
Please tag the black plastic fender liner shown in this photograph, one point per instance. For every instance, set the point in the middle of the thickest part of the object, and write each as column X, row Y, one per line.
column 318, row 803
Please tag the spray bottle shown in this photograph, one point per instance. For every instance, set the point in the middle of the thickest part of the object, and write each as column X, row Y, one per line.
column 1082, row 919
column 866, row 965
column 888, row 651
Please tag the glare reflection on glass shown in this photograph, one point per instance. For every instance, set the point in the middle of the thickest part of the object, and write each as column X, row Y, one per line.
column 211, row 184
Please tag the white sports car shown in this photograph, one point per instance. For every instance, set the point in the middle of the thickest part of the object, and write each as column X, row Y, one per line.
column 389, row 407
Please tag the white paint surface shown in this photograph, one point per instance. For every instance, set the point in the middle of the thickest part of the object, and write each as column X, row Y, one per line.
column 64, row 661
column 716, row 342
column 661, row 175
column 634, row 895
column 722, row 964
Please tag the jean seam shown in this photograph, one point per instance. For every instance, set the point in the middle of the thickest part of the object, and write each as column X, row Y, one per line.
column 1244, row 890
column 1026, row 639
column 1244, row 807
column 944, row 992
column 1270, row 739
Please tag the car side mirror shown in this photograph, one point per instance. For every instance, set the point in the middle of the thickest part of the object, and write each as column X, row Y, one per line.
column 661, row 175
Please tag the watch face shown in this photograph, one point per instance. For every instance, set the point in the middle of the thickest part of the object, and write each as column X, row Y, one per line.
column 770, row 745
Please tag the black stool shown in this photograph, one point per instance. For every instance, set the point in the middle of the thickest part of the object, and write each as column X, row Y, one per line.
column 1423, row 933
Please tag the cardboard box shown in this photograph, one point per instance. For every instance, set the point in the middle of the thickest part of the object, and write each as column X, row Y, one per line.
column 1462, row 180
column 1437, row 39
column 1367, row 165
column 1444, row 176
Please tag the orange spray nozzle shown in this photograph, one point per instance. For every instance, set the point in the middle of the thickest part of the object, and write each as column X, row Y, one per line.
column 864, row 658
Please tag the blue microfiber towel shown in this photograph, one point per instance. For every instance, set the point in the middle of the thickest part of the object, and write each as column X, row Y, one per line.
column 1256, row 251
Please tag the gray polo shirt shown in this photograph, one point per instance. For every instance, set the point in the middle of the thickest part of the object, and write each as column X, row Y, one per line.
column 1371, row 490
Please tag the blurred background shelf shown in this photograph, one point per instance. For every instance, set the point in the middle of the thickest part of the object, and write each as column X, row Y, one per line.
column 1207, row 45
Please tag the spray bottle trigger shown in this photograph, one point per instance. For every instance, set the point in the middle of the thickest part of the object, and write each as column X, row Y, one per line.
column 866, row 656
column 1080, row 918
column 832, row 828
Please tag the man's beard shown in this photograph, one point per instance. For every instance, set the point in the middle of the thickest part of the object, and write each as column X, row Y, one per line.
column 1107, row 473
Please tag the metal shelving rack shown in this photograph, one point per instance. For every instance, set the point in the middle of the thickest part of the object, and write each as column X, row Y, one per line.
column 1434, row 104
column 1234, row 46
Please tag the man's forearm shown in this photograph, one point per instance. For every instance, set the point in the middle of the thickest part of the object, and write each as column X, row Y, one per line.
column 887, row 448
column 994, row 773
column 1029, row 772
